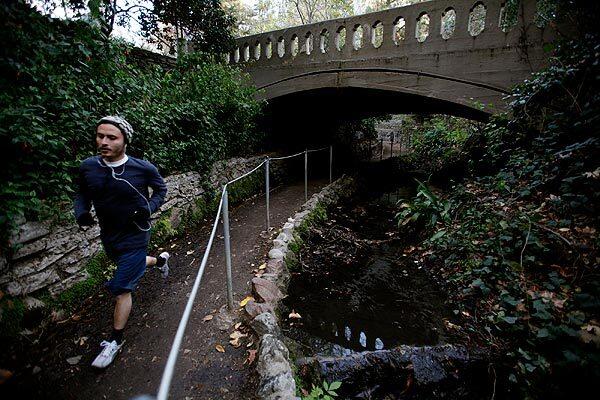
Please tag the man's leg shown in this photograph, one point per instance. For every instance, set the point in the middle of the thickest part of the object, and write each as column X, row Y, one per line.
column 130, row 268
column 122, row 310
column 150, row 261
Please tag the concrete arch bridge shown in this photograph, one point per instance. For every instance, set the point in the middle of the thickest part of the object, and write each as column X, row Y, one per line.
column 456, row 57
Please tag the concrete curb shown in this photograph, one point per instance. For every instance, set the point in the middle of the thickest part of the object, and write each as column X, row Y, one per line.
column 276, row 378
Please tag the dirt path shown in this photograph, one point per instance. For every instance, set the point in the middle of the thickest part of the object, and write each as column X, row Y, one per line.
column 202, row 372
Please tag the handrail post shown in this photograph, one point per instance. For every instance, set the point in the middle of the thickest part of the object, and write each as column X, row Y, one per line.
column 306, row 175
column 392, row 134
column 330, row 164
column 227, row 248
column 267, row 188
column 381, row 155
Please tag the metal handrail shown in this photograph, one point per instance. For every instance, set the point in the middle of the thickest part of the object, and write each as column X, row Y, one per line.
column 246, row 174
column 285, row 157
column 167, row 377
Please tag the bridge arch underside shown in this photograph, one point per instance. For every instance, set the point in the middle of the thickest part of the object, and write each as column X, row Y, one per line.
column 378, row 91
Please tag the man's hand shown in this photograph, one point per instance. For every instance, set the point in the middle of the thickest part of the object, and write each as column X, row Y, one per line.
column 86, row 220
column 141, row 214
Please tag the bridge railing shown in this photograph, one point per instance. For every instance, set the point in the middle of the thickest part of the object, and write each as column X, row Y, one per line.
column 428, row 27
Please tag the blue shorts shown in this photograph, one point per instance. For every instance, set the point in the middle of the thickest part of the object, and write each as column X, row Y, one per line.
column 131, row 266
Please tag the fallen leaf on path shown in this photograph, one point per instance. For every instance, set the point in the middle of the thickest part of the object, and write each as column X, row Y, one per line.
column 207, row 318
column 154, row 359
column 263, row 266
column 187, row 351
column 246, row 300
column 237, row 326
column 74, row 360
column 189, row 252
column 235, row 338
column 294, row 315
column 220, row 348
column 81, row 341
column 251, row 357
column 237, row 334
column 250, row 344
column 174, row 245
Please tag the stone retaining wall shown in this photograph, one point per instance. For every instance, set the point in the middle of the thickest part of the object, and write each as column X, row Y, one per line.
column 53, row 256
column 273, row 366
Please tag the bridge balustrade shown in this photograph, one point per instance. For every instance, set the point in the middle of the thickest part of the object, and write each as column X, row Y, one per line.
column 452, row 56
column 450, row 25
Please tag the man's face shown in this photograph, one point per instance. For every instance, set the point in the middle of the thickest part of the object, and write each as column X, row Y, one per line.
column 110, row 142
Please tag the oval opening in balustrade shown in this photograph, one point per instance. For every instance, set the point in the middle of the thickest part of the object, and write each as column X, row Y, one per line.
column 269, row 49
column 246, row 52
column 324, row 42
column 281, row 47
column 340, row 38
column 236, row 55
column 308, row 43
column 377, row 34
column 227, row 58
column 357, row 38
column 422, row 28
column 448, row 23
column 477, row 19
column 508, row 16
column 399, row 32
column 294, row 46
column 257, row 51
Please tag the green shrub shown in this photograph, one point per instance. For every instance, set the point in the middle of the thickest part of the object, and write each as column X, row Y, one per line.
column 425, row 206
column 60, row 76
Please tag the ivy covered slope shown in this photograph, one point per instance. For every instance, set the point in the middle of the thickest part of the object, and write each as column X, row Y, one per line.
column 57, row 78
column 517, row 239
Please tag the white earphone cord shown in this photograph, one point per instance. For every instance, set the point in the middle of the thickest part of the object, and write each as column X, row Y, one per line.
column 134, row 188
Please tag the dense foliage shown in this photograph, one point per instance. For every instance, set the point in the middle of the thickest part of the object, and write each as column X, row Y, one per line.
column 59, row 76
column 519, row 247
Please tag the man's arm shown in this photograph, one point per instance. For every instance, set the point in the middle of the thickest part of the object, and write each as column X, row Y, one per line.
column 83, row 203
column 159, row 189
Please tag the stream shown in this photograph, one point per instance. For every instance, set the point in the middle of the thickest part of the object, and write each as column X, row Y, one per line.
column 371, row 316
column 355, row 287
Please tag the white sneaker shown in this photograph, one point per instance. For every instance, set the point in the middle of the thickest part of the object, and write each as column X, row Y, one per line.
column 107, row 355
column 165, row 268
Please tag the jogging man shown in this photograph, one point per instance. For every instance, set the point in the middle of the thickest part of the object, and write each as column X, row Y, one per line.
column 117, row 186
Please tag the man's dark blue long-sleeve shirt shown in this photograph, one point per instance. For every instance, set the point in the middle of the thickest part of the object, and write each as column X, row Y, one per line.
column 115, row 201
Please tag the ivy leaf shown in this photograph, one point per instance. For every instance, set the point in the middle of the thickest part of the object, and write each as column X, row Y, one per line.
column 543, row 333
column 438, row 235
